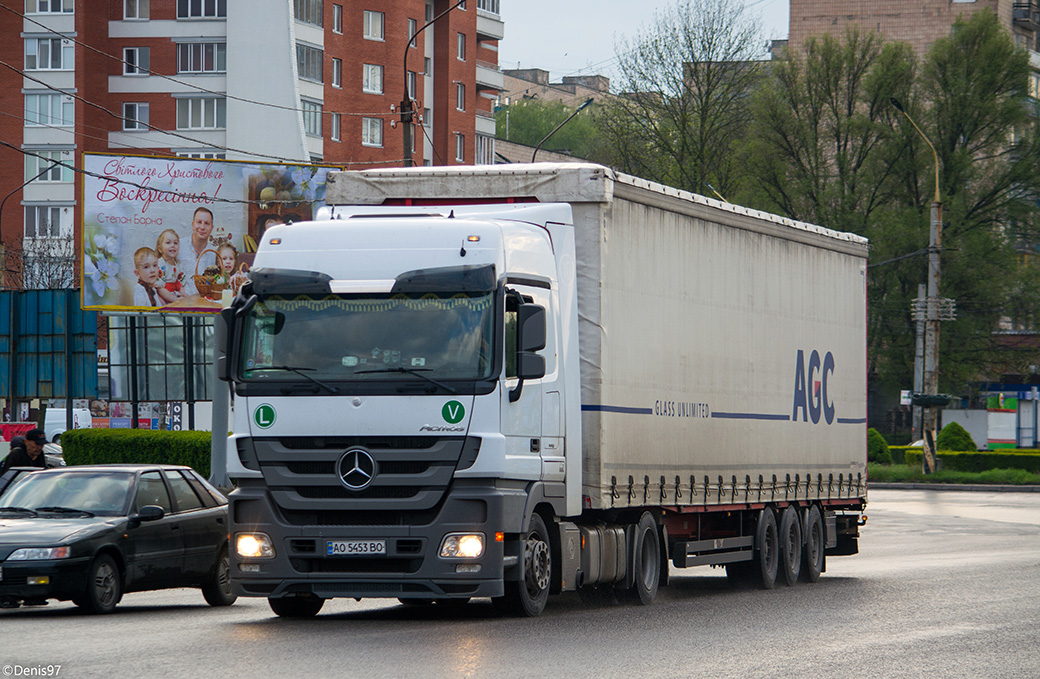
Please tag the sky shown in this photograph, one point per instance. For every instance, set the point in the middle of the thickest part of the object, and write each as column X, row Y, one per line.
column 577, row 37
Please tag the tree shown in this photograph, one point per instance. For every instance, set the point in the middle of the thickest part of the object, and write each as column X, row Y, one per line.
column 685, row 86
column 40, row 264
column 829, row 148
column 530, row 120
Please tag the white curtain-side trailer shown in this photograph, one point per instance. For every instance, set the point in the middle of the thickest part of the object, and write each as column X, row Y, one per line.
column 511, row 381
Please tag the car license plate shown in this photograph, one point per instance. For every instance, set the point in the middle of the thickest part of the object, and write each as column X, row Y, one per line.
column 356, row 547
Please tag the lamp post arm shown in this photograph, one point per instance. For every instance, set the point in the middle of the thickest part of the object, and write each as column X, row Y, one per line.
column 406, row 100
column 935, row 155
column 556, row 129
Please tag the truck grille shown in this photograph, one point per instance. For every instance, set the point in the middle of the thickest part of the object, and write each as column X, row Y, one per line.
column 412, row 476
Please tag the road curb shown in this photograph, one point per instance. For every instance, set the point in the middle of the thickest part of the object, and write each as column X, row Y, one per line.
column 955, row 486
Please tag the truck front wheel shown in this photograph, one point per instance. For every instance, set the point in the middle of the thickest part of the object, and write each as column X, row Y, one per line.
column 527, row 596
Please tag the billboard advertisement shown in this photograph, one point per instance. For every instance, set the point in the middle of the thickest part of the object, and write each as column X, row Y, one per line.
column 177, row 234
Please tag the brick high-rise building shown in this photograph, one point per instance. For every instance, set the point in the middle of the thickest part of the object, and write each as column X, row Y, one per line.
column 260, row 80
column 917, row 22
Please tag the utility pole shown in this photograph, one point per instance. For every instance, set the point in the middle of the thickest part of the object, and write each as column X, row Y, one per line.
column 407, row 109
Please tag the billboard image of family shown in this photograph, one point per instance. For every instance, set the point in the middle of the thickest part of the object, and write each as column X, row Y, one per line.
column 178, row 234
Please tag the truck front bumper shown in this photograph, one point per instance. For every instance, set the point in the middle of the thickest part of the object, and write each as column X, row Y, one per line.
column 411, row 566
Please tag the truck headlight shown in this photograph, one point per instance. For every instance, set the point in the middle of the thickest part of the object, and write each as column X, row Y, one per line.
column 462, row 546
column 39, row 553
column 254, row 546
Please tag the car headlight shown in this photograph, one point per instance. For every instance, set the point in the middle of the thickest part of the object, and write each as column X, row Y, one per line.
column 254, row 546
column 39, row 553
column 462, row 546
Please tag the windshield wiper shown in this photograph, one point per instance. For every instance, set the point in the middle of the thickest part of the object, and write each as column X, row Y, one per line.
column 301, row 372
column 20, row 510
column 63, row 510
column 418, row 372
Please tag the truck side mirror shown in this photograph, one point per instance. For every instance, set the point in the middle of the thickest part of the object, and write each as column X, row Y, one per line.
column 530, row 321
column 530, row 327
column 222, row 329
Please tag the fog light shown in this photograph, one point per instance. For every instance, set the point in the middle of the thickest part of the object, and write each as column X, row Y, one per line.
column 254, row 546
column 462, row 546
column 467, row 568
column 38, row 580
column 249, row 567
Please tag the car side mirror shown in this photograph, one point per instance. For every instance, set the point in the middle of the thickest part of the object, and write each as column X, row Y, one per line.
column 148, row 513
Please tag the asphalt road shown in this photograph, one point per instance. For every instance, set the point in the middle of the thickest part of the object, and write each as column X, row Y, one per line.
column 947, row 584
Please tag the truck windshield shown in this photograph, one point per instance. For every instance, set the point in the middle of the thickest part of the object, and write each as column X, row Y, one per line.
column 355, row 338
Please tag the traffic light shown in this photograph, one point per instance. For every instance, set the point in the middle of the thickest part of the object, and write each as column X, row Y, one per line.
column 930, row 400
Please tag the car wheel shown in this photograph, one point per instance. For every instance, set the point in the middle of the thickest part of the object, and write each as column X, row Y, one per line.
column 104, row 586
column 296, row 606
column 217, row 591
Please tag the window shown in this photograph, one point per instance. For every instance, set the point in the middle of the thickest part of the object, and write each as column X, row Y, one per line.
column 135, row 61
column 460, row 46
column 429, row 13
column 413, row 26
column 201, row 9
column 488, row 6
column 183, row 494
column 427, row 66
column 42, row 221
column 373, row 25
column 202, row 155
column 337, row 72
column 135, row 116
column 372, row 79
column 201, row 113
column 427, row 117
column 48, row 54
column 337, row 19
column 309, row 11
column 48, row 109
column 202, row 57
column 411, row 84
column 372, row 131
column 462, row 6
column 44, row 162
column 48, row 6
column 136, row 9
column 311, row 118
column 308, row 62
column 460, row 147
column 334, row 131
column 485, row 150
column 460, row 96
column 152, row 491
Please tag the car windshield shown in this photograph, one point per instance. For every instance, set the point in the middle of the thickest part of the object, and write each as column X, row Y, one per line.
column 99, row 493
column 372, row 337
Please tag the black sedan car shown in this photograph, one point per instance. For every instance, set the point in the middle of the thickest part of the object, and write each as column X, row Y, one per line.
column 93, row 533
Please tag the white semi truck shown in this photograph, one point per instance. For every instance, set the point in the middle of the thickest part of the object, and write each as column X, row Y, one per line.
column 519, row 380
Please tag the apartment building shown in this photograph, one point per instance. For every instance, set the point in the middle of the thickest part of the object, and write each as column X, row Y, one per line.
column 258, row 80
column 919, row 23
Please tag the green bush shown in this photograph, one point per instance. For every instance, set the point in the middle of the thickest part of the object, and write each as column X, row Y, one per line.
column 877, row 448
column 954, row 437
column 976, row 462
column 913, row 474
column 141, row 446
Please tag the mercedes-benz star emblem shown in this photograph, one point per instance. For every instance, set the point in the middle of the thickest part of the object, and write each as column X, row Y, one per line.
column 357, row 469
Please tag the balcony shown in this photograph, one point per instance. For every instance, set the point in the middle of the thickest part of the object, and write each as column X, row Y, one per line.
column 1026, row 15
column 489, row 76
column 489, row 23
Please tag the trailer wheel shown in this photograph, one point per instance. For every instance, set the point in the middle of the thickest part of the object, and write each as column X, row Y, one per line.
column 646, row 563
column 527, row 596
column 814, row 558
column 766, row 558
column 790, row 546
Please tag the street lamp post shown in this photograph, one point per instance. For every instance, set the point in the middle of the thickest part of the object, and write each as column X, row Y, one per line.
column 931, row 324
column 566, row 120
column 407, row 104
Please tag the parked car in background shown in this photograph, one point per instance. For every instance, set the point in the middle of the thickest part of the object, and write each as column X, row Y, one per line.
column 95, row 532
column 55, row 422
